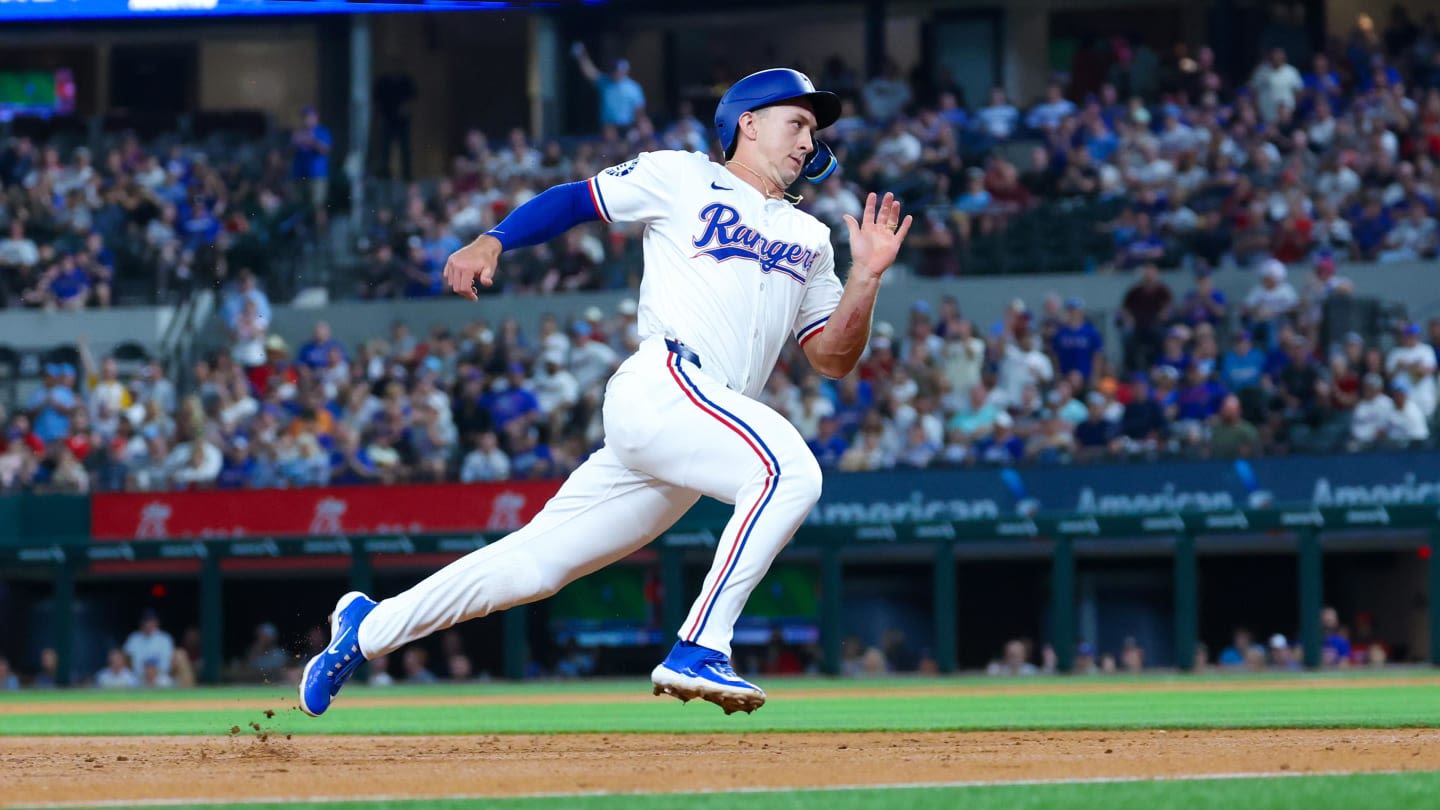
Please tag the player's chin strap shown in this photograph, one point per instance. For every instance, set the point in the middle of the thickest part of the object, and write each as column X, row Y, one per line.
column 817, row 169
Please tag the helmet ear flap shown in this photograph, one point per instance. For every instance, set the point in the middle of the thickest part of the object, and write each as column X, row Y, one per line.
column 821, row 164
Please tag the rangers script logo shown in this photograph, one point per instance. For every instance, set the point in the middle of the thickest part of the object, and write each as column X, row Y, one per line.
column 725, row 237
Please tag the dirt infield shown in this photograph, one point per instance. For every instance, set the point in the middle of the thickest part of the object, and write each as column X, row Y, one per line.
column 252, row 768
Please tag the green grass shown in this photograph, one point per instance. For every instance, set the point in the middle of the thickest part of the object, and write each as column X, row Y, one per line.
column 1377, row 704
column 1308, row 792
column 628, row 686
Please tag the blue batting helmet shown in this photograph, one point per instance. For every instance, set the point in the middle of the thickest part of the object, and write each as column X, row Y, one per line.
column 764, row 89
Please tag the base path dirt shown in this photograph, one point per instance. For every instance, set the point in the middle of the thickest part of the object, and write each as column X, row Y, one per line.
column 251, row 769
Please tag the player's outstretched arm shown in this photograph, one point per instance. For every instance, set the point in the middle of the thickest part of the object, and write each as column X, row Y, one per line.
column 875, row 240
column 542, row 218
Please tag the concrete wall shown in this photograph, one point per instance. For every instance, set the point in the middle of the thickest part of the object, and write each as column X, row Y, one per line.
column 278, row 74
column 807, row 36
column 469, row 70
column 34, row 329
column 263, row 65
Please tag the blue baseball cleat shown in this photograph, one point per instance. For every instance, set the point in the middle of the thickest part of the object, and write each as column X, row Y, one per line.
column 328, row 671
column 692, row 671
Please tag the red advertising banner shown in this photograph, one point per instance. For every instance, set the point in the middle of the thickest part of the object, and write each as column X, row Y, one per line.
column 412, row 509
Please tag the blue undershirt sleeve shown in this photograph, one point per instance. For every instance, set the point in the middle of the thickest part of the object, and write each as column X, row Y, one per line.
column 546, row 216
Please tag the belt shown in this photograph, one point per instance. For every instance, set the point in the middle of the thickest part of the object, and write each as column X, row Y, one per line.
column 685, row 352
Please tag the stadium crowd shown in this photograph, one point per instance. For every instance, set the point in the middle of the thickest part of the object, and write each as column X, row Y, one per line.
column 1197, row 376
column 1333, row 157
column 1279, row 173
column 1317, row 151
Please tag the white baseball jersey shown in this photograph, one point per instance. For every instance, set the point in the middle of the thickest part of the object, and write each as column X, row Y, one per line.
column 728, row 272
column 732, row 275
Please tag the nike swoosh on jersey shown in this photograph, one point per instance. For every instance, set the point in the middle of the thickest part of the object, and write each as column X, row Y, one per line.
column 719, row 187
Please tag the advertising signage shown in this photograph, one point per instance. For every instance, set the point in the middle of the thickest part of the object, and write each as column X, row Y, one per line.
column 1213, row 495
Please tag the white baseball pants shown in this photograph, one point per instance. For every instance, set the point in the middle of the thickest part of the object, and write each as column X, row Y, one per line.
column 672, row 435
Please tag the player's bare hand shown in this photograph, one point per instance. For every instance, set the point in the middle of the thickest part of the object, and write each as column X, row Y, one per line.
column 473, row 263
column 876, row 238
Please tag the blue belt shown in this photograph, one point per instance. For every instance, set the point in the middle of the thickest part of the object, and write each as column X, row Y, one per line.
column 685, row 352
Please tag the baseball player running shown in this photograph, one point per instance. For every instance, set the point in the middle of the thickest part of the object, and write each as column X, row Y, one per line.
column 732, row 270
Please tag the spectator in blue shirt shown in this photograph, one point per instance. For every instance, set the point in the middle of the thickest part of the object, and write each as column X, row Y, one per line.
column 829, row 445
column 423, row 278
column 51, row 406
column 853, row 397
column 1093, row 436
column 315, row 352
column 974, row 200
column 199, row 226
column 1243, row 365
column 1055, row 108
column 1199, row 398
column 1144, row 419
column 622, row 99
column 350, row 463
column 1242, row 649
column 70, row 284
column 1172, row 353
column 1099, row 140
column 1143, row 247
column 1320, row 82
column 529, row 457
column 1000, row 119
column 311, row 164
column 1077, row 343
column 951, row 111
column 439, row 241
column 1001, row 445
column 1370, row 229
column 919, row 450
column 1336, row 647
column 245, row 290
column 513, row 404
column 99, row 263
column 1278, row 358
column 239, row 466
column 1204, row 304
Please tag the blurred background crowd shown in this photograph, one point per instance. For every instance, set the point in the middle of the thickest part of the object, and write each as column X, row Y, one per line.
column 1295, row 174
column 1198, row 376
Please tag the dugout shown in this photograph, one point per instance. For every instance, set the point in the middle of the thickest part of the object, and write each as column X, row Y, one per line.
column 977, row 580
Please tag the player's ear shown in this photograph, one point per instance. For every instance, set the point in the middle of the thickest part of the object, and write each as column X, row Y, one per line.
column 749, row 124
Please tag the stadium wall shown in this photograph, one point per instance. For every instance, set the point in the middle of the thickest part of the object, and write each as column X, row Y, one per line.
column 277, row 74
column 1169, row 553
